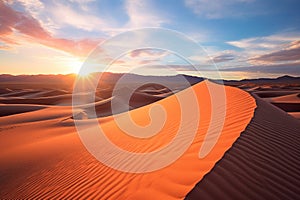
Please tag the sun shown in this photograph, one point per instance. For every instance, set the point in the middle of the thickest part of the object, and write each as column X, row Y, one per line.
column 77, row 65
column 82, row 68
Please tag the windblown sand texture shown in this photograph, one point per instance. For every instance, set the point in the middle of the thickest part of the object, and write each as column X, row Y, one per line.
column 43, row 157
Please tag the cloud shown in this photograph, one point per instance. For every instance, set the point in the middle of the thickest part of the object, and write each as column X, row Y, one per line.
column 66, row 15
column 291, row 68
column 32, row 6
column 215, row 9
column 143, row 14
column 11, row 19
column 83, row 4
column 53, row 15
column 184, row 67
column 266, row 43
column 256, row 43
column 276, row 49
column 141, row 57
column 148, row 53
column 28, row 28
column 290, row 53
column 275, row 54
column 223, row 58
column 37, row 10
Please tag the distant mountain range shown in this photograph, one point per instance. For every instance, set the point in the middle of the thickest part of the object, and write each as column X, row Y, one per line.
column 260, row 81
column 108, row 77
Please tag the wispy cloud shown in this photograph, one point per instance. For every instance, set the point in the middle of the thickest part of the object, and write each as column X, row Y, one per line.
column 291, row 68
column 143, row 14
column 290, row 53
column 55, row 15
column 265, row 43
column 67, row 15
column 17, row 26
column 32, row 6
column 270, row 49
column 36, row 9
column 224, row 57
column 274, row 54
column 150, row 53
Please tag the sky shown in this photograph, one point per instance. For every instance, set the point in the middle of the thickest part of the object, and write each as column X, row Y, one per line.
column 242, row 38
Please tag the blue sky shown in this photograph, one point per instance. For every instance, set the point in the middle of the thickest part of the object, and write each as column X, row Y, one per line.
column 245, row 38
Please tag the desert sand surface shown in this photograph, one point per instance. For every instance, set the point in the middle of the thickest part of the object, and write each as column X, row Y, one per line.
column 283, row 92
column 256, row 156
column 43, row 156
column 285, row 98
column 262, row 164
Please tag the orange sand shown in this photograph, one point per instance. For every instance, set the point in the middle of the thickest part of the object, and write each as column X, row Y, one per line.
column 43, row 157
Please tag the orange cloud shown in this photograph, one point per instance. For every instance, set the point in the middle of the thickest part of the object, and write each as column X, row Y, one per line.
column 14, row 21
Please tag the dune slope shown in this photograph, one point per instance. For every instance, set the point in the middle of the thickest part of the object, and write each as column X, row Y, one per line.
column 264, row 163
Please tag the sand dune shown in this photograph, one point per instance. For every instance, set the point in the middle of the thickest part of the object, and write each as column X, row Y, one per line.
column 48, row 93
column 19, row 93
column 264, row 163
column 275, row 93
column 54, row 100
column 12, row 109
column 142, row 96
column 284, row 97
column 290, row 98
column 43, row 157
column 4, row 91
column 295, row 114
column 35, row 98
column 288, row 107
column 257, row 156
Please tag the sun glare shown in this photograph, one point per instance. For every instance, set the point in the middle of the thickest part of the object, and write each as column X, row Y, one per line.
column 77, row 64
